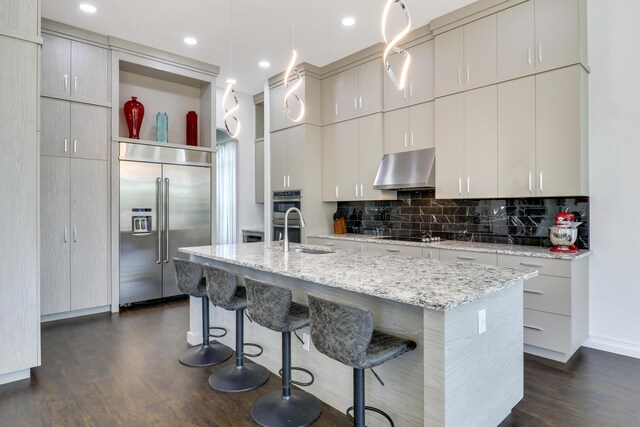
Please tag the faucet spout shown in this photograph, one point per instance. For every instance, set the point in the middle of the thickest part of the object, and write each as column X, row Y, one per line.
column 285, row 245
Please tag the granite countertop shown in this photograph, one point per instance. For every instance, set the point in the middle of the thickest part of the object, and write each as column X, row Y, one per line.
column 496, row 248
column 428, row 283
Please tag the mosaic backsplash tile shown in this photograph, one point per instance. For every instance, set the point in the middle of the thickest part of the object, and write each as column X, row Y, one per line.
column 419, row 214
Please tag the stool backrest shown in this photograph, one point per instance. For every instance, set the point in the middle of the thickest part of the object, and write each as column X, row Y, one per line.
column 189, row 278
column 221, row 285
column 268, row 304
column 340, row 331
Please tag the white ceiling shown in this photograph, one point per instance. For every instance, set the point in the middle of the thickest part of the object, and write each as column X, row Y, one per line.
column 262, row 29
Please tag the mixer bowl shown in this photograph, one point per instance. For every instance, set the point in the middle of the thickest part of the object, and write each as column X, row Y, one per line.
column 563, row 236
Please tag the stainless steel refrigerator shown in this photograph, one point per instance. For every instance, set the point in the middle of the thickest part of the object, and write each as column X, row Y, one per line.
column 165, row 204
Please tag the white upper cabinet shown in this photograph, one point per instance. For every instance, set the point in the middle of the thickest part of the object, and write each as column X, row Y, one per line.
column 410, row 128
column 541, row 35
column 330, row 98
column 370, row 87
column 74, row 69
column 465, row 57
column 420, row 79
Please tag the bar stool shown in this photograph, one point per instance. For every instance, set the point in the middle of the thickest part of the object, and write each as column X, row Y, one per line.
column 345, row 333
column 271, row 307
column 224, row 291
column 189, row 277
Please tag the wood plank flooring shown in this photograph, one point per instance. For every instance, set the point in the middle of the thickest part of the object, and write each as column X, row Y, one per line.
column 122, row 370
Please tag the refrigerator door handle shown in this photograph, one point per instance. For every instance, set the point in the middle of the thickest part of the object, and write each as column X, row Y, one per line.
column 166, row 220
column 158, row 205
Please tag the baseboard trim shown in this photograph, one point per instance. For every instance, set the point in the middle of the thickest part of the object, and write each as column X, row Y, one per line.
column 194, row 339
column 15, row 376
column 623, row 348
column 75, row 313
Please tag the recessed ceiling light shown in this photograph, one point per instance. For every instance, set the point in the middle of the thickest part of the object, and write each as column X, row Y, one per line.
column 190, row 40
column 348, row 21
column 264, row 64
column 231, row 81
column 89, row 8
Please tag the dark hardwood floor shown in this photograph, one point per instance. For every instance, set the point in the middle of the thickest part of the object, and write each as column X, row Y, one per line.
column 122, row 370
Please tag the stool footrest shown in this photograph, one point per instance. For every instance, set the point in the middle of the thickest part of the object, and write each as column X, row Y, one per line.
column 218, row 328
column 253, row 354
column 372, row 409
column 299, row 383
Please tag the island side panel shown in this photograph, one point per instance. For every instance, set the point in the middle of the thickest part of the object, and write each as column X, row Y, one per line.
column 402, row 395
column 473, row 379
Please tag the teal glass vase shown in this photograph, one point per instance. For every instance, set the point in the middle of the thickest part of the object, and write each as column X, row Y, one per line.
column 162, row 127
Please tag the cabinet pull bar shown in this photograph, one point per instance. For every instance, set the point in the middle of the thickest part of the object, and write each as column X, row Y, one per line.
column 361, row 190
column 66, row 82
column 166, row 220
column 535, row 328
column 530, row 291
column 66, row 145
column 284, row 181
column 75, row 234
column 411, row 139
column 540, row 52
column 404, row 93
column 75, row 145
column 336, row 109
column 524, row 264
column 336, row 191
column 468, row 185
column 405, row 140
column 459, row 75
column 65, row 234
column 460, row 185
column 468, row 73
column 360, row 103
column 75, row 83
column 541, row 182
column 159, row 211
column 356, row 190
column 355, row 104
column 288, row 181
column 530, row 187
column 393, row 250
column 466, row 258
column 411, row 90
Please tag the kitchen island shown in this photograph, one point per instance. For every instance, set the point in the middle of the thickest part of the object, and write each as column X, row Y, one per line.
column 456, row 376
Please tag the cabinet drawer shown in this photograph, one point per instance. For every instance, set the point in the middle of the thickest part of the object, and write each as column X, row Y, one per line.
column 546, row 330
column 393, row 249
column 430, row 253
column 545, row 266
column 477, row 257
column 333, row 243
column 548, row 293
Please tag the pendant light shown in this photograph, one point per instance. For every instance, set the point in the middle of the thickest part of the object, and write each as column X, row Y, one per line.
column 393, row 44
column 291, row 90
column 230, row 113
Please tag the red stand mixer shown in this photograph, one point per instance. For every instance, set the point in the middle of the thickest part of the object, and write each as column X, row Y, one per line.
column 564, row 234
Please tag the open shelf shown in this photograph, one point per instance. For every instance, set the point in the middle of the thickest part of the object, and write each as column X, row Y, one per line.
column 164, row 144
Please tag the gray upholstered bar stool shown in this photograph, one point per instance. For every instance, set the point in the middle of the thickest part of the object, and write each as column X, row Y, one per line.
column 271, row 307
column 190, row 279
column 345, row 333
column 225, row 290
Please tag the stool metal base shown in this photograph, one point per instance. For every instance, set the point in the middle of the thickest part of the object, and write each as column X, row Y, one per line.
column 206, row 355
column 234, row 379
column 273, row 410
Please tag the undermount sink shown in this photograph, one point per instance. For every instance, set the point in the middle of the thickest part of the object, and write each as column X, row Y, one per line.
column 309, row 251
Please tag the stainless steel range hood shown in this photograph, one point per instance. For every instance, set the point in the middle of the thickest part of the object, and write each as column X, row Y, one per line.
column 410, row 169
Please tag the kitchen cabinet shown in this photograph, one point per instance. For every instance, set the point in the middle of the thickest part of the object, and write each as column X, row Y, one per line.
column 466, row 143
column 74, row 226
column 309, row 91
column 420, row 80
column 74, row 69
column 71, row 129
column 259, row 170
column 410, row 128
column 465, row 57
column 352, row 93
column 468, row 256
column 541, row 35
column 292, row 151
column 391, row 249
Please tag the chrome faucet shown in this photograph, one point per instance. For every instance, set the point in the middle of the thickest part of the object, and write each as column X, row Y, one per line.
column 285, row 245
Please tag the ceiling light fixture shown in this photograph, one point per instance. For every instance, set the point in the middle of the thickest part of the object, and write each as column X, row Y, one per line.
column 348, row 21
column 190, row 41
column 290, row 90
column 393, row 44
column 264, row 64
column 88, row 8
column 230, row 91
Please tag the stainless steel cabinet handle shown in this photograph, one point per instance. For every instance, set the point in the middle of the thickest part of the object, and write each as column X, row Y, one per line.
column 468, row 73
column 460, row 185
column 466, row 258
column 159, row 211
column 411, row 139
column 535, row 328
column 288, row 181
column 468, row 185
column 529, row 55
column 356, row 190
column 411, row 90
column 166, row 219
column 66, row 82
column 361, row 190
column 524, row 264
column 75, row 145
column 530, row 291
column 284, row 181
column 540, row 52
column 75, row 83
column 75, row 234
column 530, row 187
column 66, row 145
column 541, row 182
column 355, row 104
column 405, row 140
column 393, row 250
column 361, row 103
column 336, row 109
column 404, row 93
column 65, row 234
column 459, row 75
column 336, row 191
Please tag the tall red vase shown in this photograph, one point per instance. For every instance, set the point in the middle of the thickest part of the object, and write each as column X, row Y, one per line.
column 192, row 128
column 134, row 113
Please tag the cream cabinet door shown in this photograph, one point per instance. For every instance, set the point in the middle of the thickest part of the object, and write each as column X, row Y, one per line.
column 89, row 131
column 348, row 107
column 449, row 61
column 90, row 72
column 516, row 53
column 330, row 163
column 422, row 126
column 481, row 143
column 468, row 256
column 55, row 235
column 396, row 131
column 89, row 236
column 330, row 99
column 517, row 137
column 558, row 133
column 480, row 52
column 557, row 30
column 295, row 157
column 370, row 87
column 348, row 146
column 395, row 98
column 421, row 80
column 55, row 126
column 276, row 111
column 370, row 154
column 55, row 66
column 450, row 146
column 278, row 160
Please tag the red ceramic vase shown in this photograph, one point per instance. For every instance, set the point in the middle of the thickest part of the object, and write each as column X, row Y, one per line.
column 133, row 113
column 192, row 128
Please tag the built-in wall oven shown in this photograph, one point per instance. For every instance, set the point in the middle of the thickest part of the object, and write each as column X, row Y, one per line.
column 283, row 200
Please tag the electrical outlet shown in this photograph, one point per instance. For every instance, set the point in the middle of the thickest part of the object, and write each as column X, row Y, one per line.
column 306, row 340
column 482, row 321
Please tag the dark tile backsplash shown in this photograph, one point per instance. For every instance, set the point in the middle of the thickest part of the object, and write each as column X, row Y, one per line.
column 418, row 214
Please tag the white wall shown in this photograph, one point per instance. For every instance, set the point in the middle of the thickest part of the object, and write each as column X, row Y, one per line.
column 614, row 122
column 250, row 213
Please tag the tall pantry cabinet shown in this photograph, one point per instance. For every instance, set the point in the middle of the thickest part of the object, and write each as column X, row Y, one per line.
column 74, row 173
